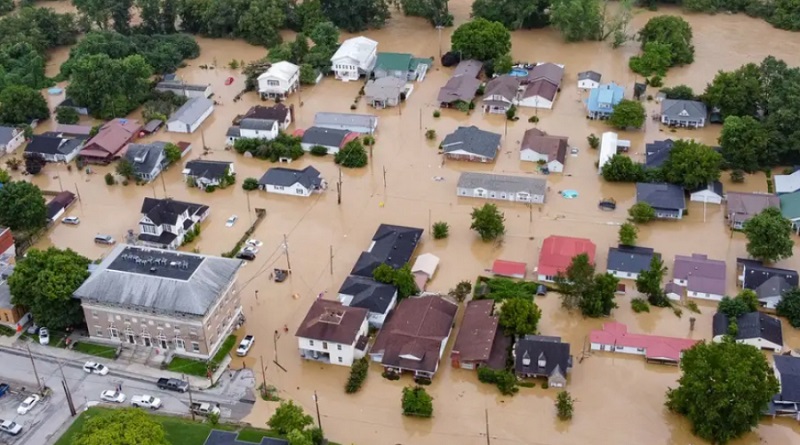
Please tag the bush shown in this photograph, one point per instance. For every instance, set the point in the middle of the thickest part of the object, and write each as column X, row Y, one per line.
column 533, row 119
column 640, row 305
column 505, row 380
column 737, row 176
column 110, row 179
column 352, row 155
column 440, row 230
column 417, row 402
column 358, row 373
column 511, row 113
column 318, row 150
column 593, row 140
column 693, row 307
column 564, row 403
column 436, row 113
column 430, row 134
column 390, row 375
column 655, row 81
column 250, row 184
column 67, row 116
column 368, row 140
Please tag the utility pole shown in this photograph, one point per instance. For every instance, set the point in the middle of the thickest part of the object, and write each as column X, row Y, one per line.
column 488, row 439
column 331, row 259
column 339, row 188
column 35, row 374
column 430, row 227
column 164, row 185
column 319, row 418
column 384, row 179
column 249, row 212
column 420, row 119
column 439, row 28
column 67, row 392
column 286, row 250
column 275, row 337
column 191, row 401
column 263, row 376
column 203, row 139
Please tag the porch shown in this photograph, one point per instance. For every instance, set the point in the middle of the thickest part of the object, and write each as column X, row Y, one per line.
column 317, row 356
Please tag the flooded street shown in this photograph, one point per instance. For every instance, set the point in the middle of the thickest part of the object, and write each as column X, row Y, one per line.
column 619, row 398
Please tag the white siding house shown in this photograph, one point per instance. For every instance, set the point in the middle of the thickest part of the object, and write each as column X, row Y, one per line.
column 10, row 139
column 588, row 80
column 286, row 181
column 502, row 187
column 354, row 58
column 280, row 80
column 191, row 115
column 250, row 128
column 333, row 333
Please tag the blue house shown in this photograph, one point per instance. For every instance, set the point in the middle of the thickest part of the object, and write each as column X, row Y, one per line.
column 603, row 99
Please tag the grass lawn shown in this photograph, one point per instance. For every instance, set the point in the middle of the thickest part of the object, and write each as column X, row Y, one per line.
column 7, row 331
column 224, row 349
column 188, row 366
column 56, row 339
column 96, row 350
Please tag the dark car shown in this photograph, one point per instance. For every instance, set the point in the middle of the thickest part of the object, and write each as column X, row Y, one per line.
column 3, row 389
column 246, row 255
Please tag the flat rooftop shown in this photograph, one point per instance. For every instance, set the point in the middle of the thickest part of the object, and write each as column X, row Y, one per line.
column 163, row 263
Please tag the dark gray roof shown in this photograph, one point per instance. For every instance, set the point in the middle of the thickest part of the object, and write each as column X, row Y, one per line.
column 278, row 112
column 179, row 86
column 656, row 153
column 592, row 75
column 207, row 169
column 503, row 183
column 145, row 157
column 182, row 282
column 166, row 211
column 458, row 88
column 750, row 326
column 715, row 187
column 661, row 195
column 632, row 259
column 469, row 68
column 683, row 109
column 472, row 140
column 368, row 293
column 550, row 349
column 234, row 132
column 309, row 177
column 773, row 287
column 5, row 293
column 789, row 369
column 392, row 245
column 192, row 110
column 756, row 273
column 217, row 437
column 336, row 120
column 329, row 137
column 250, row 123
column 6, row 134
column 44, row 145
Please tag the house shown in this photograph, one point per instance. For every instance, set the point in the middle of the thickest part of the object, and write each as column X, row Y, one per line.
column 502, row 187
column 500, row 94
column 787, row 183
column 10, row 139
column 510, row 269
column 538, row 356
column 674, row 291
column 190, row 115
column 538, row 146
column 544, row 83
column 589, row 80
column 471, row 144
column 385, row 92
column 219, row 437
column 741, row 206
column 110, row 140
column 278, row 112
column 769, row 283
column 184, row 89
column 165, row 222
column 392, row 245
column 424, row 269
column 683, row 113
column 627, row 262
column 787, row 371
column 668, row 200
column 703, row 278
column 557, row 253
column 330, row 138
column 355, row 57
column 377, row 298
column 403, row 66
column 356, row 123
column 152, row 126
column 287, row 181
column 610, row 145
column 790, row 209
column 178, row 302
column 415, row 336
column 279, row 80
column 58, row 205
column 202, row 173
column 755, row 329
column 72, row 131
column 614, row 337
column 461, row 87
column 710, row 193
column 333, row 333
column 657, row 153
column 7, row 248
column 771, row 292
column 69, row 103
column 147, row 159
column 603, row 99
column 11, row 315
column 252, row 128
column 480, row 342
column 53, row 148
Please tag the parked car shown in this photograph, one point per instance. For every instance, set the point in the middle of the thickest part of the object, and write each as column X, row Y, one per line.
column 28, row 404
column 3, row 389
column 112, row 395
column 246, row 255
column 104, row 239
column 71, row 220
column 231, row 221
column 44, row 336
column 10, row 427
column 173, row 384
column 33, row 328
column 254, row 243
column 204, row 409
column 245, row 345
column 95, row 368
column 146, row 401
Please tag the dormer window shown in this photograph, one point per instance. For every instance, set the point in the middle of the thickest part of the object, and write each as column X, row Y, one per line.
column 542, row 362
column 526, row 359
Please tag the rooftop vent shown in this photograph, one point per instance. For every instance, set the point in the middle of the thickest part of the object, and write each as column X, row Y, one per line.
column 153, row 270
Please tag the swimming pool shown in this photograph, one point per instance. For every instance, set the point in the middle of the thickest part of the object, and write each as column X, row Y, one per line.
column 518, row 72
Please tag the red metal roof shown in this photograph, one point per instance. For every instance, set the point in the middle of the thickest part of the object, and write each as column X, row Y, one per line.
column 6, row 239
column 508, row 268
column 558, row 251
column 655, row 346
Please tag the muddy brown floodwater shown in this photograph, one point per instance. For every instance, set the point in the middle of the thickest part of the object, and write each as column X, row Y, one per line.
column 620, row 399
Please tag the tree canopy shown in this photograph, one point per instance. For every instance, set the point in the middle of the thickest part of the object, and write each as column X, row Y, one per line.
column 789, row 307
column 679, row 92
column 621, row 168
column 417, row 402
column 481, row 39
column 110, row 87
column 436, row 11
column 488, row 221
column 627, row 114
column 769, row 236
column 126, row 426
column 577, row 19
column 649, row 282
column 743, row 303
column 22, row 207
column 641, row 212
column 744, row 142
column 580, row 287
column 289, row 417
column 628, row 233
column 356, row 15
column 691, row 164
column 519, row 316
column 673, row 31
column 20, row 104
column 656, row 59
column 514, row 14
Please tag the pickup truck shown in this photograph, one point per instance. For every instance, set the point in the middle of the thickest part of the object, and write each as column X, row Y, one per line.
column 173, row 384
column 245, row 345
column 204, row 409
column 146, row 402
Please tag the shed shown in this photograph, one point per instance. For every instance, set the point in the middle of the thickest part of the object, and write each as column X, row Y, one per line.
column 511, row 269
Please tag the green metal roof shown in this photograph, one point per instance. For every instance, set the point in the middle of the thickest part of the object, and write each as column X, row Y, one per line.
column 393, row 61
column 417, row 61
column 790, row 205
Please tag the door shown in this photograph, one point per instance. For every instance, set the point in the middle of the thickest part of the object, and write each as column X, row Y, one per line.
column 163, row 342
column 147, row 341
column 131, row 339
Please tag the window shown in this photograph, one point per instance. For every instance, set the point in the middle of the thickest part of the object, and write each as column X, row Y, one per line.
column 273, row 83
column 340, row 359
column 195, row 346
column 98, row 331
column 311, row 342
column 113, row 332
column 300, row 191
column 278, row 187
column 324, row 345
column 339, row 347
column 640, row 349
column 94, row 314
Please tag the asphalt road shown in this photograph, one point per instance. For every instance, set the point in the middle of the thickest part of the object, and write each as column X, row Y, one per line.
column 44, row 423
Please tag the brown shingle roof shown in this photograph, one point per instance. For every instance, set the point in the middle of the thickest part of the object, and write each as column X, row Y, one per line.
column 505, row 86
column 331, row 321
column 543, row 88
column 547, row 71
column 113, row 137
column 743, row 206
column 477, row 332
column 555, row 147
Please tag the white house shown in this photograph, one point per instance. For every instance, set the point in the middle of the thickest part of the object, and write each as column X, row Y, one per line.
column 333, row 333
column 538, row 146
column 543, row 85
column 610, row 144
column 711, row 193
column 287, row 181
column 614, row 337
column 165, row 222
column 376, row 297
column 252, row 128
column 190, row 115
column 589, row 80
column 627, row 262
column 330, row 138
column 502, row 187
column 355, row 57
column 184, row 89
column 279, row 81
column 207, row 173
column 755, row 329
column 10, row 139
column 52, row 147
column 702, row 277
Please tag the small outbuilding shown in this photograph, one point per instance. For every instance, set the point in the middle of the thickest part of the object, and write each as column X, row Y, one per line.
column 190, row 115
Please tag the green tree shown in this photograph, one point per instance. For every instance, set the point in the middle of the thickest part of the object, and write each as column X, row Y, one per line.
column 577, row 19
column 789, row 307
column 744, row 143
column 121, row 15
column 96, row 12
column 384, row 273
column 575, row 281
column 169, row 14
column 649, row 282
column 519, row 316
column 404, row 281
column 308, row 75
column 67, row 115
column 250, row 184
column 691, row 164
column 150, row 15
column 481, row 39
column 22, row 64
column 656, row 59
column 564, row 402
column 110, row 87
column 20, row 105
column 514, row 14
column 769, row 236
column 172, row 152
column 593, row 141
column 712, row 373
column 325, row 34
column 440, row 230
column 598, row 300
column 436, row 11
column 297, row 437
column 289, row 417
column 461, row 291
column 679, row 92
column 673, row 31
column 352, row 155
column 5, row 178
column 356, row 15
column 736, row 93
column 627, row 114
column 126, row 426
column 417, row 402
column 743, row 303
column 628, row 233
column 125, row 169
column 503, row 64
column 261, row 22
column 22, row 207
column 641, row 212
column 488, row 221
column 45, row 281
column 6, row 6
column 621, row 168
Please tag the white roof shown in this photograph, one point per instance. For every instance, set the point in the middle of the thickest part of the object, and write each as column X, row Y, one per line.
column 358, row 48
column 787, row 183
column 282, row 70
column 426, row 263
column 608, row 148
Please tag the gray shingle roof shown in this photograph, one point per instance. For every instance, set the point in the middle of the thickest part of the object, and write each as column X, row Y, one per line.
column 148, row 155
column 552, row 350
column 756, row 273
column 502, row 183
column 179, row 86
column 368, row 293
column 337, row 120
column 328, row 137
column 309, row 177
column 385, row 88
column 683, row 109
column 657, row 152
column 138, row 287
column 750, row 326
column 472, row 140
column 249, row 123
column 789, row 369
column 207, row 169
column 592, row 75
column 633, row 259
column 702, row 274
column 192, row 110
column 661, row 195
column 44, row 144
column 6, row 134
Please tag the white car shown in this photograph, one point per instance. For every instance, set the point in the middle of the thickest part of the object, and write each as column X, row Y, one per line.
column 112, row 396
column 28, row 404
column 44, row 336
column 10, row 427
column 95, row 368
column 231, row 221
column 146, row 402
column 71, row 220
column 254, row 243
